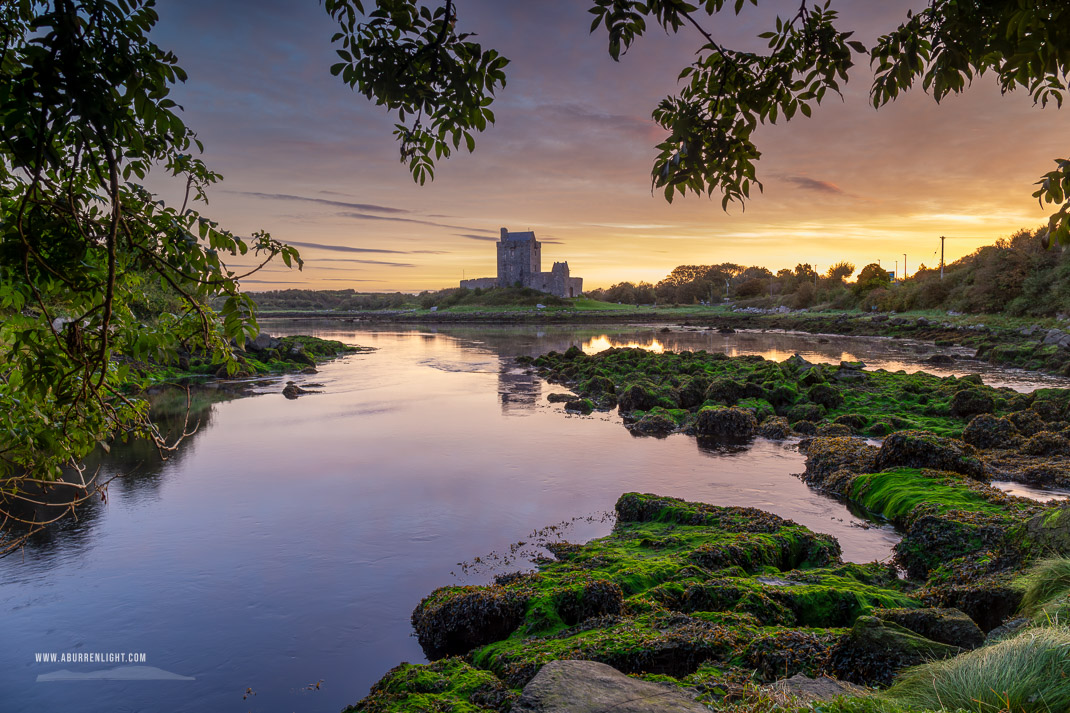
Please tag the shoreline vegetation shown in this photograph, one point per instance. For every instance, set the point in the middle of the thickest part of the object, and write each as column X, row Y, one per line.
column 732, row 605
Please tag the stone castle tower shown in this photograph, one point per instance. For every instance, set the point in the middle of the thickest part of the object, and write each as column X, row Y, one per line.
column 520, row 263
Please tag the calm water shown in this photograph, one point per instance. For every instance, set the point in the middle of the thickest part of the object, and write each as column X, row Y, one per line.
column 288, row 541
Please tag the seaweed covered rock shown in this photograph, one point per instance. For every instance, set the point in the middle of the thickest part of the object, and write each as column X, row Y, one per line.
column 775, row 428
column 1028, row 422
column 654, row 423
column 445, row 685
column 946, row 626
column 733, row 423
column 455, row 620
column 639, row 396
column 825, row 456
column 725, row 391
column 587, row 600
column 583, row 406
column 662, row 643
column 1046, row 443
column 987, row 431
column 876, row 650
column 825, row 395
column 971, row 402
column 921, row 449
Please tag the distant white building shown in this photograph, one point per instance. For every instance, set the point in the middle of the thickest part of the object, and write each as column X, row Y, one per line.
column 520, row 264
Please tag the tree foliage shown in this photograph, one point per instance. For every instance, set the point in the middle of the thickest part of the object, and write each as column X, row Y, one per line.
column 413, row 60
column 85, row 250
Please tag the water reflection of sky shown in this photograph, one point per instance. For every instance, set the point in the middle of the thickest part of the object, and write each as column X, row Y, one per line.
column 288, row 541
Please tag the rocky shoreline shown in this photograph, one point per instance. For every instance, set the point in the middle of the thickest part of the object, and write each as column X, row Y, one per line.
column 729, row 605
column 1039, row 346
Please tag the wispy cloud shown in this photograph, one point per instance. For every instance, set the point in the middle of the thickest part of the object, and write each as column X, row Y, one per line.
column 812, row 184
column 346, row 248
column 365, row 216
column 384, row 263
column 470, row 236
column 322, row 201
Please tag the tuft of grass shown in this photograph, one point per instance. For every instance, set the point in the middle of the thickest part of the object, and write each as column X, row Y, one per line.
column 1029, row 673
column 1045, row 584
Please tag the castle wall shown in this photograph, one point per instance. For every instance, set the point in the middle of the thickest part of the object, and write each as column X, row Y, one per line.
column 480, row 282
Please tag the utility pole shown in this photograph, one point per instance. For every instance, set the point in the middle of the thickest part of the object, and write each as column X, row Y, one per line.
column 896, row 273
column 941, row 257
column 904, row 266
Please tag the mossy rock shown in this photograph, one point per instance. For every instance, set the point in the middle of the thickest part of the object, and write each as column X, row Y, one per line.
column 724, row 391
column 1046, row 443
column 775, row 428
column 967, row 403
column 1028, row 422
column 454, row 620
column 945, row 626
column 731, row 423
column 876, row 650
column 597, row 386
column 583, row 406
column 446, row 685
column 825, row 395
column 825, row 456
column 835, row 430
column 806, row 412
column 922, row 449
column 987, row 431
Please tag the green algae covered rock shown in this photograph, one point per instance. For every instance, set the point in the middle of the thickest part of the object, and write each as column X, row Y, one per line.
column 946, row 626
column 732, row 423
column 454, row 620
column 875, row 650
column 922, row 449
column 446, row 685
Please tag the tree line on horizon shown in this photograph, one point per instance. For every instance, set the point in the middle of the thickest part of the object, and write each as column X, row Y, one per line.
column 1018, row 275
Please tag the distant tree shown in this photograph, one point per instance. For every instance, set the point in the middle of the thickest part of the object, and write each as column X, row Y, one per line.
column 872, row 277
column 840, row 271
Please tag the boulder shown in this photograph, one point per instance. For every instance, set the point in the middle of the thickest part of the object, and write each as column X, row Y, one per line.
column 292, row 390
column 1008, row 629
column 988, row 431
column 263, row 342
column 560, row 398
column 592, row 687
column 946, row 626
column 809, row 689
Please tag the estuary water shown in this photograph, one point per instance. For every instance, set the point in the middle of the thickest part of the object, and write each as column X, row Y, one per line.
column 271, row 565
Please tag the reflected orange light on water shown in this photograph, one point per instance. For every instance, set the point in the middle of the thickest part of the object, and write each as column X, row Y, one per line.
column 599, row 344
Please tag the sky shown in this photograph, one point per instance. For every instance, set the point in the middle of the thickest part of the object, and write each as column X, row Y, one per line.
column 314, row 163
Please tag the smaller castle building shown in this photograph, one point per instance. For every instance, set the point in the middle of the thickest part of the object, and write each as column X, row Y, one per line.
column 520, row 264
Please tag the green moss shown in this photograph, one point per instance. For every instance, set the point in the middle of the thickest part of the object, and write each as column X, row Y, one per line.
column 447, row 685
column 893, row 494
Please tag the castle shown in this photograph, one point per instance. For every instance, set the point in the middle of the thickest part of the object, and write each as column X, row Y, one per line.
column 520, row 263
